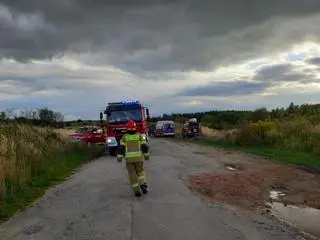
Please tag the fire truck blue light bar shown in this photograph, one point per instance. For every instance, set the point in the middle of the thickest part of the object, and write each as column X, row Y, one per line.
column 131, row 102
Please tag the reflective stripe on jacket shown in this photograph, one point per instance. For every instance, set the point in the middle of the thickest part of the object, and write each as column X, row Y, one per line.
column 132, row 144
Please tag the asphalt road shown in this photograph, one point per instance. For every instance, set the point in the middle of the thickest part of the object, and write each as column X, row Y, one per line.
column 96, row 203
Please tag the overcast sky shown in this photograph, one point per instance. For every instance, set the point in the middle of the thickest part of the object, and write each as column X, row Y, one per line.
column 75, row 56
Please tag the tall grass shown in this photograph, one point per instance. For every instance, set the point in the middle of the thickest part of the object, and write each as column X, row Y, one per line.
column 297, row 134
column 295, row 141
column 32, row 159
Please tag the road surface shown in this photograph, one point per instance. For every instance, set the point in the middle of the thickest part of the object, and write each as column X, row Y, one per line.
column 96, row 203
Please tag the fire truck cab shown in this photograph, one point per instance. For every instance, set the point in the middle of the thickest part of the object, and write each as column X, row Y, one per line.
column 117, row 114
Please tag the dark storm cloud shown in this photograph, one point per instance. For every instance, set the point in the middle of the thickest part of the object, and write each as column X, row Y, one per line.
column 225, row 89
column 271, row 71
column 279, row 72
column 36, row 84
column 149, row 35
column 314, row 61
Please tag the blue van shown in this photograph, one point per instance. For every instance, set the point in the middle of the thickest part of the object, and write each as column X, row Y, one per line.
column 165, row 128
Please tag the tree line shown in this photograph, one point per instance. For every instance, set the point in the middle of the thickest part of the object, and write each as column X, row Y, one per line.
column 42, row 117
column 213, row 119
column 36, row 117
column 233, row 118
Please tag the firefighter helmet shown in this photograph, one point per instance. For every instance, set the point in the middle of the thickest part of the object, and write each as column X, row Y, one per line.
column 131, row 125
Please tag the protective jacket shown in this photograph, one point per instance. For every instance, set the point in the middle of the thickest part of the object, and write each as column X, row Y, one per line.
column 133, row 148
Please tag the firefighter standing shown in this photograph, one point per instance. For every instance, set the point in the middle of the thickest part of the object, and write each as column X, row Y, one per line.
column 134, row 149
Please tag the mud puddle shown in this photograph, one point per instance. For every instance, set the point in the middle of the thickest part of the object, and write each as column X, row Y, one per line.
column 304, row 218
column 274, row 195
column 248, row 187
column 232, row 167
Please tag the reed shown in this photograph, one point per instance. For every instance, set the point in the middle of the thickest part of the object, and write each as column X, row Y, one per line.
column 32, row 159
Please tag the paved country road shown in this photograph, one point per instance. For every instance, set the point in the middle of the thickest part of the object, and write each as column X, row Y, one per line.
column 96, row 203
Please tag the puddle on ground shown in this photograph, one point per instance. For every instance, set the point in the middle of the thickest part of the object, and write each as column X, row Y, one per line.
column 275, row 194
column 306, row 219
column 231, row 168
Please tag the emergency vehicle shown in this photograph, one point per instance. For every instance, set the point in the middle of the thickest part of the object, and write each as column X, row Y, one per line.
column 117, row 114
column 165, row 128
column 191, row 129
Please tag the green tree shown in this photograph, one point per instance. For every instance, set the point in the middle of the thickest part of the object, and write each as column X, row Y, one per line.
column 259, row 114
column 3, row 116
column 48, row 117
column 58, row 117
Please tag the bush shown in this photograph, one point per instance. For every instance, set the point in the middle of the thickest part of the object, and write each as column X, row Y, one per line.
column 32, row 158
column 296, row 134
column 261, row 132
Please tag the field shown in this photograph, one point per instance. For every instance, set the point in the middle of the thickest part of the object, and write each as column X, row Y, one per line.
column 31, row 160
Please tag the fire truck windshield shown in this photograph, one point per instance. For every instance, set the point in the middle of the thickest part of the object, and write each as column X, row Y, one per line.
column 117, row 116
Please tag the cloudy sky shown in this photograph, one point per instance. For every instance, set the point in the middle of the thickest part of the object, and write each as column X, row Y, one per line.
column 75, row 56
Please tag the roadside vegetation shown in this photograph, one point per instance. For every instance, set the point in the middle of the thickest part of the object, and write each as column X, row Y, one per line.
column 34, row 157
column 289, row 135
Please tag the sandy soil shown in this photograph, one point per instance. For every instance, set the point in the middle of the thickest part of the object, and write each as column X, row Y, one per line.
column 249, row 186
column 256, row 184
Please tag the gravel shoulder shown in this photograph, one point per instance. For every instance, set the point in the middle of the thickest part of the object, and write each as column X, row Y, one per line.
column 96, row 203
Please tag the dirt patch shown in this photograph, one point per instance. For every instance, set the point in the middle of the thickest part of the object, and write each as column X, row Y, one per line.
column 249, row 188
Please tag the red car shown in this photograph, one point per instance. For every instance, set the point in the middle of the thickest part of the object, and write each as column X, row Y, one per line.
column 88, row 135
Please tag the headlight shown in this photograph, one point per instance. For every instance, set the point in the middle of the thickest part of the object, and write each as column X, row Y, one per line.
column 109, row 140
column 144, row 137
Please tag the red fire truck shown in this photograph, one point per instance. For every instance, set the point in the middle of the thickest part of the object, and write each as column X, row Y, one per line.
column 117, row 114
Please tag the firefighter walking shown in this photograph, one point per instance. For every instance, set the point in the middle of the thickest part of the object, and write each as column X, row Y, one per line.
column 134, row 149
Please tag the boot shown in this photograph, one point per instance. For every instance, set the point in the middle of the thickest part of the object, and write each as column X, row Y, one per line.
column 137, row 194
column 144, row 188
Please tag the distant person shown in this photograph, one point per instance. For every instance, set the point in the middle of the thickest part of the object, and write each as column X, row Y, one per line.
column 134, row 149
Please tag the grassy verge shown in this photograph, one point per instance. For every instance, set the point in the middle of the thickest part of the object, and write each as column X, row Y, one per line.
column 31, row 160
column 287, row 156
